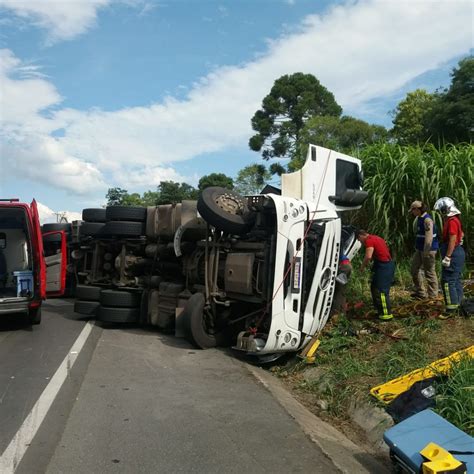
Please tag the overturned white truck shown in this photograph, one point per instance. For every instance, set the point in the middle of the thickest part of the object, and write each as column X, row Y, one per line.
column 255, row 272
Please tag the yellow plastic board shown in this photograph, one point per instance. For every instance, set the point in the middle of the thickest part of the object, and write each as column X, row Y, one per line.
column 389, row 390
column 439, row 460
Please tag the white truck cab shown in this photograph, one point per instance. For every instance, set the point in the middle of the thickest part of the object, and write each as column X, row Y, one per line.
column 308, row 244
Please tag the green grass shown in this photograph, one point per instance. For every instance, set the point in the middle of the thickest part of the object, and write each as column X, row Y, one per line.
column 455, row 395
column 356, row 356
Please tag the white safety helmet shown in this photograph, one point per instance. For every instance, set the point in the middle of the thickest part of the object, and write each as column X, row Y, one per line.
column 446, row 206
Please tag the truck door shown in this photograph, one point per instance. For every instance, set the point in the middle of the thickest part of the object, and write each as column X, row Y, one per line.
column 56, row 263
column 39, row 267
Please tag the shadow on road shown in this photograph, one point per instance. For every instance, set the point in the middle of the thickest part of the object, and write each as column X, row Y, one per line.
column 15, row 322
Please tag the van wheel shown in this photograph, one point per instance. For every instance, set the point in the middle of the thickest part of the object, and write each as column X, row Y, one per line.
column 195, row 323
column 225, row 210
column 34, row 316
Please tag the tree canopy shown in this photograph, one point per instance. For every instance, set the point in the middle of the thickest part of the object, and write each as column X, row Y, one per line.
column 344, row 134
column 251, row 179
column 292, row 100
column 115, row 196
column 452, row 117
column 171, row 192
column 167, row 192
column 216, row 179
column 410, row 123
column 446, row 116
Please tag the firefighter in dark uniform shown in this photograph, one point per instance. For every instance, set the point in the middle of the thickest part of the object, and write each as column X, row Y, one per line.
column 452, row 253
column 383, row 271
column 424, row 258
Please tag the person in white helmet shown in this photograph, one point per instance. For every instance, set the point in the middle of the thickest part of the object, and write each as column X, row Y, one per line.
column 452, row 253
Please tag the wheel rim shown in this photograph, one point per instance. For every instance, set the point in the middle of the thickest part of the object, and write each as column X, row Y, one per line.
column 207, row 325
column 230, row 204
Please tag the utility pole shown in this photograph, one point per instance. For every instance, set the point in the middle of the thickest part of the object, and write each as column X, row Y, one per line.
column 61, row 217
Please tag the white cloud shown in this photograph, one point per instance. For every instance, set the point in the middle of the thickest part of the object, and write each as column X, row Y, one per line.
column 27, row 149
column 47, row 215
column 360, row 51
column 64, row 19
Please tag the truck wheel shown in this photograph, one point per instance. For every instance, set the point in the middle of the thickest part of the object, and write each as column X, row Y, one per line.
column 91, row 228
column 195, row 324
column 93, row 215
column 125, row 229
column 52, row 238
column 89, row 308
column 118, row 315
column 225, row 210
column 120, row 299
column 88, row 293
column 126, row 213
column 34, row 315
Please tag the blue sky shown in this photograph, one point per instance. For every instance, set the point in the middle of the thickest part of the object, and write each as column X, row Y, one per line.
column 99, row 93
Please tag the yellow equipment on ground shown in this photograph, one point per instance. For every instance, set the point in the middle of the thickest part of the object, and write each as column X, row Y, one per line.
column 389, row 390
column 440, row 461
column 308, row 352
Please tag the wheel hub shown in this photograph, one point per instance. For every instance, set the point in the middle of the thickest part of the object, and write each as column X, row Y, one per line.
column 230, row 204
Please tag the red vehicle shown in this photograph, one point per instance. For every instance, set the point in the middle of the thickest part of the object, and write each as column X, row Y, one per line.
column 26, row 276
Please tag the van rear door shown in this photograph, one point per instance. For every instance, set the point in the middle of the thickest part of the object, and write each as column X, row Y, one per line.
column 37, row 241
column 56, row 264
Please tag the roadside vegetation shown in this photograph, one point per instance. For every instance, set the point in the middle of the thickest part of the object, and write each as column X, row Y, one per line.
column 358, row 353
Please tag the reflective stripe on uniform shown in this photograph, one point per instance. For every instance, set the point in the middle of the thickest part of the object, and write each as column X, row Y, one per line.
column 384, row 304
column 447, row 294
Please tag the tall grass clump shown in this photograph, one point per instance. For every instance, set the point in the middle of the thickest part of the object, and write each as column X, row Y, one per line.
column 397, row 175
column 455, row 395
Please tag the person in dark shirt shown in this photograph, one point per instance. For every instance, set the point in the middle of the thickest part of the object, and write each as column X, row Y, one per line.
column 383, row 271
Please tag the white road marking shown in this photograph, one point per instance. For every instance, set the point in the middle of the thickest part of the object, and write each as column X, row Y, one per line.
column 15, row 451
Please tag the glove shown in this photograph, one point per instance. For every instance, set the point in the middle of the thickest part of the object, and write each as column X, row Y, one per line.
column 446, row 262
column 342, row 279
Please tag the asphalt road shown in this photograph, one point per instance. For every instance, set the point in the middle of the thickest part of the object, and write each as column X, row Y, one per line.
column 136, row 401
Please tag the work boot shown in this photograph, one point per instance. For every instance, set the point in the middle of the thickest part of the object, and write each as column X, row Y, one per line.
column 448, row 315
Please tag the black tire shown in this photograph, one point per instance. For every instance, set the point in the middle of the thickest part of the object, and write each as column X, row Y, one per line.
column 92, row 229
column 52, row 238
column 55, row 227
column 225, row 210
column 88, row 293
column 89, row 308
column 118, row 315
column 34, row 316
column 126, row 213
column 93, row 215
column 194, row 322
column 120, row 299
column 125, row 229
